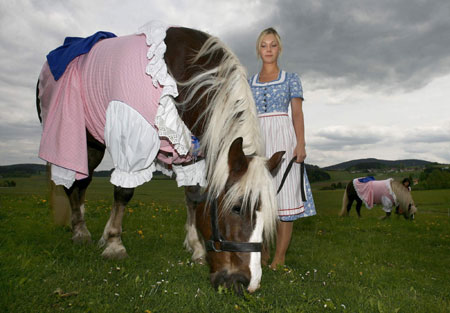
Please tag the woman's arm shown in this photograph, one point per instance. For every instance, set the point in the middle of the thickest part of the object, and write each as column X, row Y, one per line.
column 299, row 127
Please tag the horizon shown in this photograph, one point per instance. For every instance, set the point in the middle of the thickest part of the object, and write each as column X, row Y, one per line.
column 321, row 167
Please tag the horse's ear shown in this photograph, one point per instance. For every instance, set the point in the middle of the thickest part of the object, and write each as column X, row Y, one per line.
column 237, row 162
column 275, row 160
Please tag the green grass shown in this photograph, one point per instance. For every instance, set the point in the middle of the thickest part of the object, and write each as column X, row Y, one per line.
column 334, row 264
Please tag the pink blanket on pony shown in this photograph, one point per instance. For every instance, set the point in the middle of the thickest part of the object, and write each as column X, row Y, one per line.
column 373, row 192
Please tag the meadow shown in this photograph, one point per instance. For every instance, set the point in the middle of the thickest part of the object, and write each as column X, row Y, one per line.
column 334, row 264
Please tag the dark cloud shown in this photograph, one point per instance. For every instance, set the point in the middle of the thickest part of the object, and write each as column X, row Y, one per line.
column 344, row 138
column 400, row 45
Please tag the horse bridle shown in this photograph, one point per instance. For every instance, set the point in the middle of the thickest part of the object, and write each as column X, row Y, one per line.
column 218, row 244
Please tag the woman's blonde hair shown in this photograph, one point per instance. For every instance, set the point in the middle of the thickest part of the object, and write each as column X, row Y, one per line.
column 268, row 31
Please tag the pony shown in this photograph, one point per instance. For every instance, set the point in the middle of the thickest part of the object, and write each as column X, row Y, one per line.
column 214, row 146
column 385, row 192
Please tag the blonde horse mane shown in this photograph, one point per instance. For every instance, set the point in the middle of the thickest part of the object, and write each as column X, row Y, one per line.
column 402, row 194
column 231, row 113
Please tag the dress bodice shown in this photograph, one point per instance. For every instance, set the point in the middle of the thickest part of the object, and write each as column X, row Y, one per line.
column 275, row 96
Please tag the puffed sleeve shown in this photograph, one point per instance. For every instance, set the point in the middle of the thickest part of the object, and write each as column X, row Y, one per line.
column 295, row 86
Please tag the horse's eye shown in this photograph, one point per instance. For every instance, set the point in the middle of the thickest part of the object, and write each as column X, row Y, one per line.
column 236, row 210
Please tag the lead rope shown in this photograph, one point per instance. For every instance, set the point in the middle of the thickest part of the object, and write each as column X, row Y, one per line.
column 302, row 177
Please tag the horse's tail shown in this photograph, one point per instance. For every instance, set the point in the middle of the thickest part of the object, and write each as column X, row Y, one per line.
column 344, row 203
column 59, row 202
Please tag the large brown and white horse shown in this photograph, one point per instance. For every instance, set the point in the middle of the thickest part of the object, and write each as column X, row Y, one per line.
column 237, row 207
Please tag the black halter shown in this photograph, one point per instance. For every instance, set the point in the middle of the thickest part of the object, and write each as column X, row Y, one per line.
column 217, row 244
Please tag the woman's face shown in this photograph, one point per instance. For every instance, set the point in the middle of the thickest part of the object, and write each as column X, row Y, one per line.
column 269, row 49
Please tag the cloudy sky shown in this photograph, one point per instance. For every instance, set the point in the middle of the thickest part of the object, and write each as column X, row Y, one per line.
column 376, row 74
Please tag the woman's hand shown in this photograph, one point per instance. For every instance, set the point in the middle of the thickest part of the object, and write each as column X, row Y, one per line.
column 300, row 152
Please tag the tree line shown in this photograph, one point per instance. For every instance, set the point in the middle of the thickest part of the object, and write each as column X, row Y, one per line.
column 434, row 178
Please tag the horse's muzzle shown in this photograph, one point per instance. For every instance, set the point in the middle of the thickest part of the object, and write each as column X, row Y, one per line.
column 237, row 282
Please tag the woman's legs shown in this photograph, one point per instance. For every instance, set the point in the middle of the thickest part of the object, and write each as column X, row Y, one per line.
column 284, row 234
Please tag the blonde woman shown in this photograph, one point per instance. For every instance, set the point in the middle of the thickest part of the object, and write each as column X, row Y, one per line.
column 274, row 90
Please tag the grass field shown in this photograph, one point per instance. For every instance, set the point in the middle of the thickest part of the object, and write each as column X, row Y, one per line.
column 334, row 264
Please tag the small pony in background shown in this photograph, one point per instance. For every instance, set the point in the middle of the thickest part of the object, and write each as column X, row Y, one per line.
column 388, row 193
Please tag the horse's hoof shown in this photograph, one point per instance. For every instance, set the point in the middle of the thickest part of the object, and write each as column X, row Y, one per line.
column 82, row 238
column 101, row 243
column 200, row 261
column 115, row 252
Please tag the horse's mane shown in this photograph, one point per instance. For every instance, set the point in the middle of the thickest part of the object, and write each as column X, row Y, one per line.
column 231, row 113
column 402, row 194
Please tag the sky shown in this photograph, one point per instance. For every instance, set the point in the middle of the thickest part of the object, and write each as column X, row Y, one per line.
column 375, row 74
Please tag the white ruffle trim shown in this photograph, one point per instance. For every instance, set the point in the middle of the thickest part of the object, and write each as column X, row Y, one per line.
column 167, row 120
column 163, row 169
column 133, row 179
column 62, row 176
column 191, row 175
column 188, row 175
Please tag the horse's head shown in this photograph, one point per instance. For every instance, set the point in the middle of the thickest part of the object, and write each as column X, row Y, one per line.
column 405, row 200
column 233, row 223
column 410, row 213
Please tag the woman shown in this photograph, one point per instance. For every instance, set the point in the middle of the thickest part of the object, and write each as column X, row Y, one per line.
column 273, row 90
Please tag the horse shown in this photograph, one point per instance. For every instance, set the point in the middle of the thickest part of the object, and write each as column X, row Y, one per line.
column 214, row 148
column 385, row 192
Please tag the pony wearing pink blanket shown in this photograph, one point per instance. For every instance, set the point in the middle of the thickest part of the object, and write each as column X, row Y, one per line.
column 388, row 193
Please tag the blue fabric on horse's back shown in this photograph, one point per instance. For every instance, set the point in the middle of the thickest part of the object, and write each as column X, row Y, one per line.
column 59, row 58
column 366, row 179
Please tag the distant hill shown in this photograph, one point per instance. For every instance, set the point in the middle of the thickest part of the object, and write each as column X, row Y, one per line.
column 372, row 163
column 26, row 170
column 22, row 170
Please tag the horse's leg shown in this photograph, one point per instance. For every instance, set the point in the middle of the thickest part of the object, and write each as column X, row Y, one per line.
column 192, row 241
column 113, row 230
column 349, row 205
column 358, row 206
column 348, row 198
column 76, row 195
column 77, row 192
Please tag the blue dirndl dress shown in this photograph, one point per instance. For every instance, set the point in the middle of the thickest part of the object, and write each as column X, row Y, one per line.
column 272, row 102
